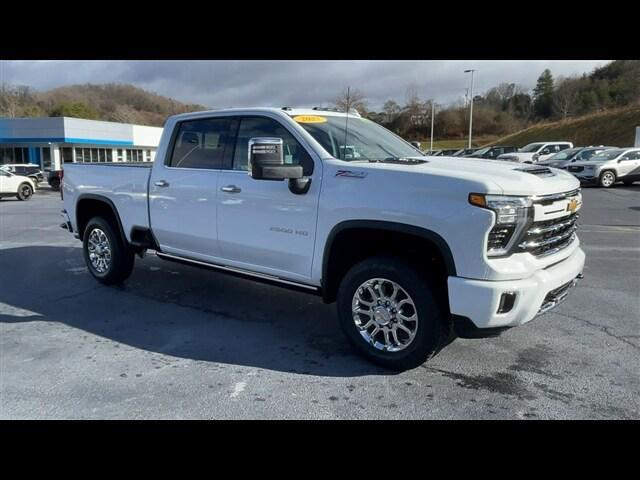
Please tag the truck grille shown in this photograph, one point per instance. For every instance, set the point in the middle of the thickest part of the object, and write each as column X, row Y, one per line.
column 549, row 236
column 573, row 168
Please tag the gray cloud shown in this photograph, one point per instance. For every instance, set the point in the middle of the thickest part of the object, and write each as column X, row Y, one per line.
column 225, row 83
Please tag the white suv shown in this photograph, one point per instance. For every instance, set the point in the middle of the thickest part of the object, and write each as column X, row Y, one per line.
column 535, row 152
column 15, row 185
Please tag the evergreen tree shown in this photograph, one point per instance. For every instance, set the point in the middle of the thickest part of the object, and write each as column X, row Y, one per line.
column 543, row 95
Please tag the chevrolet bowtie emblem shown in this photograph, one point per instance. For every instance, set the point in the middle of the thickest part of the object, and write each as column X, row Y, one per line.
column 572, row 205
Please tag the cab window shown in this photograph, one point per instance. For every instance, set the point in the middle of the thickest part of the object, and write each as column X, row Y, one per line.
column 203, row 143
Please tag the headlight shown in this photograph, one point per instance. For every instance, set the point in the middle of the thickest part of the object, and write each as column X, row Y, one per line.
column 511, row 215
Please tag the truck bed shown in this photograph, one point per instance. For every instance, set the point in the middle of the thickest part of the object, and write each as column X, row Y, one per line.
column 125, row 184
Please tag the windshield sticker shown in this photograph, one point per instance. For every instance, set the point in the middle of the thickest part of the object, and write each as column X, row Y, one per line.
column 309, row 119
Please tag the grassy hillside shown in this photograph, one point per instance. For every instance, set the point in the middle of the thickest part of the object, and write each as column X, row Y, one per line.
column 612, row 127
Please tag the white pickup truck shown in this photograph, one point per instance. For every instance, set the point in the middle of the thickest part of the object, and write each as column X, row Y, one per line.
column 535, row 152
column 412, row 248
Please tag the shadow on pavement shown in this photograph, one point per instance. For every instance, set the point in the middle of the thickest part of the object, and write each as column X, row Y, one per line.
column 180, row 311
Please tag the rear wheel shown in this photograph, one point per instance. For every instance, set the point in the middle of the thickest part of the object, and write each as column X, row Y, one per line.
column 25, row 191
column 389, row 313
column 108, row 258
column 607, row 178
column 55, row 183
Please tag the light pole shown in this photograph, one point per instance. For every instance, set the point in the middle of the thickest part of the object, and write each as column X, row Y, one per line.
column 471, row 106
column 433, row 113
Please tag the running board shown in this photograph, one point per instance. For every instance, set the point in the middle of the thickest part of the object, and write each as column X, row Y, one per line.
column 238, row 271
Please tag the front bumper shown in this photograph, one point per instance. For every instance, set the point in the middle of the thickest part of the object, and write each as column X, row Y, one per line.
column 479, row 300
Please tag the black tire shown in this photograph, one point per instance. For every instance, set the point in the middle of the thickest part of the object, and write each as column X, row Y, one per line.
column 605, row 179
column 628, row 182
column 122, row 256
column 25, row 191
column 55, row 183
column 431, row 331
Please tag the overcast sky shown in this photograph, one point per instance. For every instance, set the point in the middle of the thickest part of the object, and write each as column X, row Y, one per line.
column 243, row 83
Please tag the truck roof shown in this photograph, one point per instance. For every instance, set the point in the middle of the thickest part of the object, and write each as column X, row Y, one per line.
column 292, row 112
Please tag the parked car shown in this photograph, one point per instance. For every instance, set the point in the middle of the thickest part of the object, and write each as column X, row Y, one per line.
column 410, row 247
column 432, row 153
column 18, row 186
column 535, row 152
column 609, row 167
column 465, row 152
column 54, row 179
column 571, row 155
column 447, row 152
column 27, row 170
column 492, row 152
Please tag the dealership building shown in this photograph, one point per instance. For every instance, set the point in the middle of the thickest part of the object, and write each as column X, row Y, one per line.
column 53, row 141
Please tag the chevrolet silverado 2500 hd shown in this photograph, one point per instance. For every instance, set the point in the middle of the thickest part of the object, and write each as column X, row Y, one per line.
column 412, row 248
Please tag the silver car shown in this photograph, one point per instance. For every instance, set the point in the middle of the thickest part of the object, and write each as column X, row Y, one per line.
column 569, row 156
column 609, row 167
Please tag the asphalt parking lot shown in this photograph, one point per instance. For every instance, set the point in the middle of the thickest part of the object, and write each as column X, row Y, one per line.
column 177, row 342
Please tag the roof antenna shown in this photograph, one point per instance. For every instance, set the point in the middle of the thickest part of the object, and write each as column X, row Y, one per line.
column 346, row 123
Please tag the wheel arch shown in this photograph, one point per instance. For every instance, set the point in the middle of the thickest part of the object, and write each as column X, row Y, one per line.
column 333, row 271
column 90, row 205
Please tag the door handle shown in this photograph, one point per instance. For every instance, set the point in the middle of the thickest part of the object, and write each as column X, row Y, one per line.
column 161, row 183
column 231, row 189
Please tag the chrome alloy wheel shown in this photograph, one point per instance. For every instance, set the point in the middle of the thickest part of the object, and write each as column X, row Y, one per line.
column 385, row 314
column 99, row 250
column 607, row 179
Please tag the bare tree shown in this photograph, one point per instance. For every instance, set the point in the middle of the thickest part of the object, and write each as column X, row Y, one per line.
column 565, row 96
column 350, row 98
column 391, row 110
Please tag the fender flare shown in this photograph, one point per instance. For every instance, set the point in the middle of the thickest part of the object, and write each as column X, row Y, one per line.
column 107, row 201
column 425, row 233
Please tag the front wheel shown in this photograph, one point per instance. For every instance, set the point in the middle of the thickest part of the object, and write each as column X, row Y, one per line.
column 25, row 191
column 607, row 179
column 108, row 258
column 389, row 313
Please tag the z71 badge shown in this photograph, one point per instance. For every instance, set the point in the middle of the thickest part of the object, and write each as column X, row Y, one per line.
column 350, row 173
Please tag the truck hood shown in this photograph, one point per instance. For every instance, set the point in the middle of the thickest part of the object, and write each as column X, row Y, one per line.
column 499, row 177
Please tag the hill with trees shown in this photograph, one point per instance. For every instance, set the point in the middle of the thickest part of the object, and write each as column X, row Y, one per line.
column 110, row 102
column 508, row 108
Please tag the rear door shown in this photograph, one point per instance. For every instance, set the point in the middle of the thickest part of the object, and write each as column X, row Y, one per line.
column 182, row 191
column 262, row 225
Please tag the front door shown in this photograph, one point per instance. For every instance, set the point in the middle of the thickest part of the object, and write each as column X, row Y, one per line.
column 182, row 191
column 629, row 165
column 262, row 225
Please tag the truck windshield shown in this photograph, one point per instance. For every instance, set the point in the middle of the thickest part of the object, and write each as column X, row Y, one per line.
column 532, row 147
column 565, row 154
column 365, row 140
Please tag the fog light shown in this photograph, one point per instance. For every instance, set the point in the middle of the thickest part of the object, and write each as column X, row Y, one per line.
column 507, row 301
